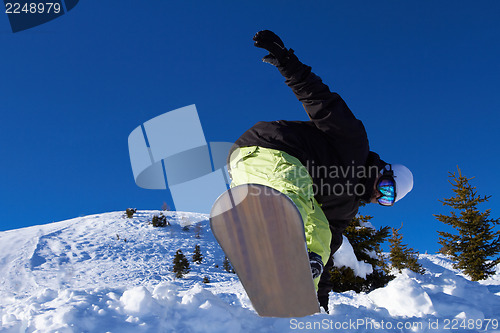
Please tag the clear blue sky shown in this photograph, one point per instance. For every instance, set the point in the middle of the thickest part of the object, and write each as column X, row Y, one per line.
column 423, row 76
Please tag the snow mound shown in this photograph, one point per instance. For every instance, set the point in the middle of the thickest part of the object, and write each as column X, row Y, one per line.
column 137, row 309
column 345, row 257
column 137, row 300
column 403, row 296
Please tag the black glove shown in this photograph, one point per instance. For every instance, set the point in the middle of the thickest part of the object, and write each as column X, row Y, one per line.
column 268, row 40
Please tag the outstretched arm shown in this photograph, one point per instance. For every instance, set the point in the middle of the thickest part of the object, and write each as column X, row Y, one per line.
column 326, row 109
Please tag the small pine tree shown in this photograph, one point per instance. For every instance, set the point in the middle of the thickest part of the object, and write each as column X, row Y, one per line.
column 159, row 221
column 401, row 255
column 366, row 243
column 227, row 265
column 476, row 243
column 154, row 221
column 181, row 264
column 130, row 212
column 206, row 279
column 197, row 256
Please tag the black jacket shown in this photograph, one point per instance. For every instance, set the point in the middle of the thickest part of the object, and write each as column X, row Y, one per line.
column 333, row 146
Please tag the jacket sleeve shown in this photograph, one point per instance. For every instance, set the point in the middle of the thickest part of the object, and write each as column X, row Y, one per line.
column 328, row 111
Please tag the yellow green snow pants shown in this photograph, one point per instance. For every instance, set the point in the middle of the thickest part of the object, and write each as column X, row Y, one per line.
column 285, row 173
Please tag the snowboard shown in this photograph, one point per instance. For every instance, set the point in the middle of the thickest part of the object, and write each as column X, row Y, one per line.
column 262, row 234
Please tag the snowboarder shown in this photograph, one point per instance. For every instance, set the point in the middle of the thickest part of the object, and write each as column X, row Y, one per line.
column 324, row 165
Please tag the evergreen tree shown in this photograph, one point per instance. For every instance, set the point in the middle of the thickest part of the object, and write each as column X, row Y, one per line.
column 197, row 256
column 401, row 255
column 206, row 279
column 366, row 243
column 227, row 265
column 159, row 221
column 181, row 264
column 130, row 212
column 475, row 244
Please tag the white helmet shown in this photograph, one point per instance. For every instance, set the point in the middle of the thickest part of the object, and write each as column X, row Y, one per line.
column 404, row 180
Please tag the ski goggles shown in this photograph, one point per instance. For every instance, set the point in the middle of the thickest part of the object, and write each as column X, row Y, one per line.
column 386, row 186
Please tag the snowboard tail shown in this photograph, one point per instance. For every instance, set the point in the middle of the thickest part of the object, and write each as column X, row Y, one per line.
column 262, row 233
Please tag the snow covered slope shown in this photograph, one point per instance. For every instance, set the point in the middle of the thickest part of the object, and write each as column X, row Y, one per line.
column 108, row 273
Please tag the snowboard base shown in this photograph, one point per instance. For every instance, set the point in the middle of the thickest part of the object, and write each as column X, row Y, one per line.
column 262, row 233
